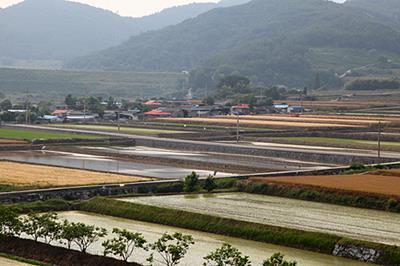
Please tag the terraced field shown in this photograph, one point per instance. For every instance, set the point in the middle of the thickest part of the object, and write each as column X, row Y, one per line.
column 356, row 223
column 261, row 122
column 384, row 182
column 291, row 121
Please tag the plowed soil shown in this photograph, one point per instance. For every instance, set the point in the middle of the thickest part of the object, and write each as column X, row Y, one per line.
column 385, row 182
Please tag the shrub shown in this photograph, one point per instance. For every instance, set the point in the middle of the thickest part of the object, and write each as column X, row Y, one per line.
column 9, row 222
column 278, row 260
column 172, row 248
column 209, row 184
column 227, row 256
column 190, row 183
column 124, row 244
column 44, row 226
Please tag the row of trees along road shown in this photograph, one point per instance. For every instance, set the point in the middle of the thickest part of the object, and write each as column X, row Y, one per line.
column 171, row 248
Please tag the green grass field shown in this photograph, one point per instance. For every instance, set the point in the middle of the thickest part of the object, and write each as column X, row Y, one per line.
column 129, row 130
column 356, row 143
column 21, row 134
column 41, row 85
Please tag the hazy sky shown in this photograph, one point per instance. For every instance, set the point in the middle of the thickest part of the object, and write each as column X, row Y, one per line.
column 135, row 8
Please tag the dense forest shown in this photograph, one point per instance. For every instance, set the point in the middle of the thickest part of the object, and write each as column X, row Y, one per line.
column 275, row 42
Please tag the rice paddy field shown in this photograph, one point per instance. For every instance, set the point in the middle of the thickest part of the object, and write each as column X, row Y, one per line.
column 383, row 182
column 35, row 176
column 20, row 134
column 356, row 223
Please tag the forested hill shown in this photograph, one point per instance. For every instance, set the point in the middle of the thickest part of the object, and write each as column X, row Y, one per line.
column 271, row 41
column 59, row 29
column 388, row 9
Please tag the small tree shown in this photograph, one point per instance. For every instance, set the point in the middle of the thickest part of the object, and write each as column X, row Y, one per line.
column 85, row 235
column 9, row 222
column 278, row 260
column 191, row 182
column 209, row 184
column 227, row 256
column 44, row 226
column 68, row 233
column 172, row 248
column 124, row 244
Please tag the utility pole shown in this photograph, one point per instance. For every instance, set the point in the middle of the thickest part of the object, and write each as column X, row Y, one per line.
column 379, row 140
column 118, row 124
column 237, row 128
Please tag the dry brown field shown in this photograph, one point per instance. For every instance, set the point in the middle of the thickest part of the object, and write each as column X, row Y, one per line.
column 268, row 123
column 320, row 119
column 385, row 182
column 343, row 105
column 11, row 142
column 29, row 175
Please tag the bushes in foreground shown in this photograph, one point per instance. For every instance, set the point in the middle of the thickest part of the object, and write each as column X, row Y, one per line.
column 171, row 248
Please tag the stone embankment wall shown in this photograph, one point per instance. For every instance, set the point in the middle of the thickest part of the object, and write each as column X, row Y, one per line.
column 81, row 193
column 357, row 252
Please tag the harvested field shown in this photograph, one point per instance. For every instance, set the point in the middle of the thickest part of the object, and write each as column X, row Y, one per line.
column 28, row 175
column 343, row 105
column 11, row 142
column 229, row 121
column 384, row 182
column 321, row 119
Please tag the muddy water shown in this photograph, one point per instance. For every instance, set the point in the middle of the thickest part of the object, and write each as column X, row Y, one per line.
column 8, row 262
column 232, row 159
column 101, row 163
column 364, row 224
column 205, row 243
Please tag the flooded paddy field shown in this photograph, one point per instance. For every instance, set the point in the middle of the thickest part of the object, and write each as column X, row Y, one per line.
column 258, row 162
column 363, row 224
column 205, row 243
column 103, row 163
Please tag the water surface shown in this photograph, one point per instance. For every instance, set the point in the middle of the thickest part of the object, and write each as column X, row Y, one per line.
column 205, row 243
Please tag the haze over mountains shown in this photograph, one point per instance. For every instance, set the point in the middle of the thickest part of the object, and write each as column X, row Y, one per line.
column 60, row 30
column 271, row 41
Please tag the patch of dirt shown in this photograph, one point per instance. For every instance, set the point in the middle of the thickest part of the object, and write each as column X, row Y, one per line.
column 385, row 183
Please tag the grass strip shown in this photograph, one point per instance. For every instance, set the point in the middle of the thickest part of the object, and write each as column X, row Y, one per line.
column 27, row 261
column 38, row 134
column 313, row 241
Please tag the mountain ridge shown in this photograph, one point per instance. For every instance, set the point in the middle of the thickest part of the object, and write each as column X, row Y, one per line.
column 264, row 39
column 61, row 30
